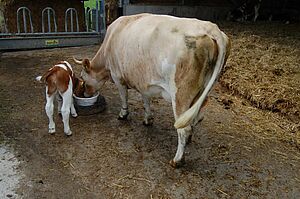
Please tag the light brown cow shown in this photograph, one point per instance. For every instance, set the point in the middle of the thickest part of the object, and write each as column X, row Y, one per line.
column 177, row 58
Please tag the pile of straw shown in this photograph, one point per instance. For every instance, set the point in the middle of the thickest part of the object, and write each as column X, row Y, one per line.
column 264, row 67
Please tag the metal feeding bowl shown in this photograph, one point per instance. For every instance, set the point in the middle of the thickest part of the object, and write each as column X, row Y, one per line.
column 89, row 105
column 86, row 101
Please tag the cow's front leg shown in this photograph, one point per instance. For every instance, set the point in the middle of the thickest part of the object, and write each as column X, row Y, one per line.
column 148, row 118
column 184, row 136
column 124, row 100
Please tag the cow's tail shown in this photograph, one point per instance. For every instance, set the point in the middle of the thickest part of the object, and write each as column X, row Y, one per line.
column 191, row 114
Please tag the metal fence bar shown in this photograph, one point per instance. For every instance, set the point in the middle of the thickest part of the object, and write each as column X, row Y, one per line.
column 72, row 29
column 97, row 17
column 49, row 22
column 49, row 11
column 71, row 10
column 89, row 20
column 24, row 10
column 25, row 22
column 49, row 33
column 102, row 6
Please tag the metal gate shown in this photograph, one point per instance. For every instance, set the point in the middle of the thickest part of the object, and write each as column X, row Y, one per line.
column 27, row 38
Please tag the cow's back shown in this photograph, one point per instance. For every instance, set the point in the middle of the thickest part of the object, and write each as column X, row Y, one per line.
column 141, row 49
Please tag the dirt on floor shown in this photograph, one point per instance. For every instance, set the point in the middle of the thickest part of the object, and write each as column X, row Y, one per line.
column 237, row 151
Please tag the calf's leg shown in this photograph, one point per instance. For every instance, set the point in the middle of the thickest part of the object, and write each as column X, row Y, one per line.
column 49, row 111
column 73, row 110
column 65, row 110
column 59, row 103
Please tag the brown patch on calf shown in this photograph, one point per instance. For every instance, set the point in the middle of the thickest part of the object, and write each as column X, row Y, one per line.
column 57, row 79
column 197, row 63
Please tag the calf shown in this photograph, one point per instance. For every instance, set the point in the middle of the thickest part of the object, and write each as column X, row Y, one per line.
column 177, row 58
column 61, row 82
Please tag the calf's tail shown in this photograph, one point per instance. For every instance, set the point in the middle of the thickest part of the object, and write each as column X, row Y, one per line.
column 188, row 117
column 39, row 78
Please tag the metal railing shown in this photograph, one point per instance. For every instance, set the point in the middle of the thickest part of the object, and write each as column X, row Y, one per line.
column 49, row 11
column 24, row 10
column 50, row 36
column 71, row 11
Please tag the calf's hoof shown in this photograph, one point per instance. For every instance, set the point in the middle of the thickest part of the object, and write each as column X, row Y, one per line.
column 51, row 130
column 74, row 115
column 123, row 117
column 123, row 114
column 178, row 164
column 69, row 133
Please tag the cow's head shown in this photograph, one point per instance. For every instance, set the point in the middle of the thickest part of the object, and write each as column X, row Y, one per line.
column 81, row 89
column 93, row 77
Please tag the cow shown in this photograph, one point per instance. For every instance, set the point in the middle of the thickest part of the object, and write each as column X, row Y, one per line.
column 179, row 59
column 61, row 83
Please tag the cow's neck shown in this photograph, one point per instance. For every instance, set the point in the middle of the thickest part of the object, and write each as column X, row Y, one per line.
column 98, row 62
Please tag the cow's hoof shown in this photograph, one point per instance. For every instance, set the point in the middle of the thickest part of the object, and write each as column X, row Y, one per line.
column 148, row 122
column 69, row 133
column 176, row 165
column 123, row 114
column 51, row 130
column 123, row 117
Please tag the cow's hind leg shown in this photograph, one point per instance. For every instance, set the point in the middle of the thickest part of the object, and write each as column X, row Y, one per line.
column 124, row 99
column 148, row 118
column 49, row 111
column 184, row 137
column 184, row 134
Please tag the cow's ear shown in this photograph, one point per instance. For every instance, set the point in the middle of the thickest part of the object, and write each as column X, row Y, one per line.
column 86, row 64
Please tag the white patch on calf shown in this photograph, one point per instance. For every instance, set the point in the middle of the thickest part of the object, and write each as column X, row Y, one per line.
column 69, row 65
column 62, row 66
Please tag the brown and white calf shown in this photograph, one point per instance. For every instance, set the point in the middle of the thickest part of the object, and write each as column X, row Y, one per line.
column 61, row 83
column 177, row 58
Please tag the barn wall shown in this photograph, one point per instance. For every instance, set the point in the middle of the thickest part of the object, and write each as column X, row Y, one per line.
column 200, row 12
column 183, row 2
column 36, row 7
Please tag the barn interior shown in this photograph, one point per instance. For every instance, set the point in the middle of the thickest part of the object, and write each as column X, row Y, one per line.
column 247, row 146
